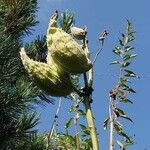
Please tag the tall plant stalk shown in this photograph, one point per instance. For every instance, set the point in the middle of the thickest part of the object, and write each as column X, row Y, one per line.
column 91, row 123
column 87, row 103
column 112, row 121
column 119, row 94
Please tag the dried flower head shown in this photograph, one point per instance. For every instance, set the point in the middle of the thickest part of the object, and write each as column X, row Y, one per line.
column 65, row 51
column 49, row 78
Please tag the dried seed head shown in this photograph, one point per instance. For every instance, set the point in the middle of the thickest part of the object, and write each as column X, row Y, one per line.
column 78, row 33
column 66, row 52
column 48, row 77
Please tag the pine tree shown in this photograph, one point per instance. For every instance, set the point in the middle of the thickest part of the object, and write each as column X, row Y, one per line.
column 17, row 92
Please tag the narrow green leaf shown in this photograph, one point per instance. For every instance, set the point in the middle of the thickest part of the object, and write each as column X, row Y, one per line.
column 127, row 88
column 114, row 62
column 84, row 129
column 72, row 108
column 125, row 117
column 126, row 101
column 128, row 142
column 126, row 136
column 121, row 92
column 68, row 123
column 70, row 138
column 119, row 112
column 129, row 26
column 129, row 56
column 106, row 121
column 123, row 80
column 126, row 64
column 129, row 71
column 81, row 112
column 130, row 39
column 117, row 51
column 118, row 127
column 131, row 75
column 121, row 42
column 123, row 35
column 120, row 144
column 128, row 48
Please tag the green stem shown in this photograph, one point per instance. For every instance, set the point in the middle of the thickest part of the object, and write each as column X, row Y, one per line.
column 91, row 124
column 87, row 98
column 89, row 114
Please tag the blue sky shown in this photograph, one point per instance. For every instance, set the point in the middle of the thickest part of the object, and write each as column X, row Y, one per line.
column 111, row 15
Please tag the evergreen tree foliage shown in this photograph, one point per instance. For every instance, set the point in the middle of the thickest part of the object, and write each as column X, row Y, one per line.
column 17, row 92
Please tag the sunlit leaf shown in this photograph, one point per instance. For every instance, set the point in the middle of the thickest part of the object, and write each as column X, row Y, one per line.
column 106, row 121
column 118, row 127
column 128, row 48
column 126, row 64
column 125, row 117
column 119, row 112
column 81, row 112
column 117, row 51
column 68, row 123
column 120, row 144
column 126, row 136
column 114, row 62
column 130, row 39
column 126, row 101
column 130, row 73
column 121, row 42
column 130, row 90
column 129, row 56
column 84, row 129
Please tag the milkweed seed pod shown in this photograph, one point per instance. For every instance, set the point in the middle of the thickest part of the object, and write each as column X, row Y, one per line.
column 49, row 78
column 65, row 51
column 78, row 33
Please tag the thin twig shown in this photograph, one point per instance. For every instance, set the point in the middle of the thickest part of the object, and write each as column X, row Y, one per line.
column 54, row 121
column 96, row 56
column 102, row 40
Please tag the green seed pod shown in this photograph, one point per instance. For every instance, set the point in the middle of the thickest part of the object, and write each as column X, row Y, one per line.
column 49, row 78
column 66, row 52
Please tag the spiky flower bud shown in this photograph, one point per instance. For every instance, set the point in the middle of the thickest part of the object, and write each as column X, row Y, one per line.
column 66, row 52
column 49, row 78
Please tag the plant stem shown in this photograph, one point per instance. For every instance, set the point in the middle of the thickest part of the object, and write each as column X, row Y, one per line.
column 111, row 143
column 76, row 122
column 54, row 121
column 91, row 124
column 76, row 130
column 89, row 114
column 87, row 99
